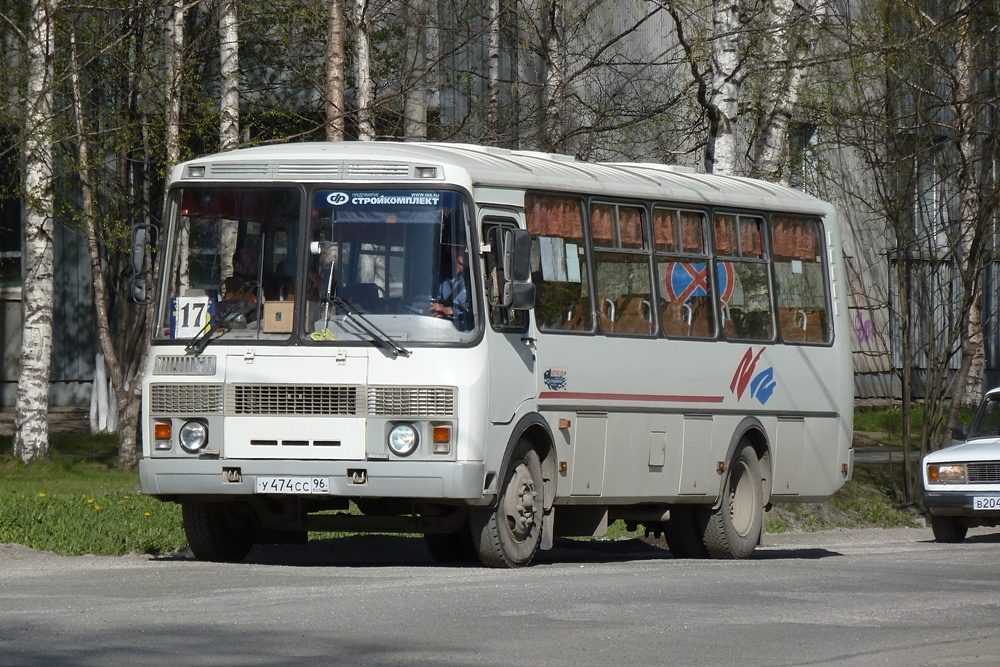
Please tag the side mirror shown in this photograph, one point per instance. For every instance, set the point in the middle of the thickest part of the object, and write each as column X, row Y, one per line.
column 141, row 278
column 519, row 296
column 517, row 254
column 509, row 269
column 960, row 433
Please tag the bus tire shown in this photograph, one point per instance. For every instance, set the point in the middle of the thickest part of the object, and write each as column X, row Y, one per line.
column 216, row 532
column 683, row 534
column 733, row 530
column 508, row 535
column 454, row 547
column 948, row 529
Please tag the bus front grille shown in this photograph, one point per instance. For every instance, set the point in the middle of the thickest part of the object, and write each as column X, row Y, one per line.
column 411, row 402
column 191, row 399
column 286, row 399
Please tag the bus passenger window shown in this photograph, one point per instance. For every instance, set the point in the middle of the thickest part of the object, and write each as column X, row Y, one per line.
column 621, row 270
column 558, row 264
column 801, row 280
column 744, row 282
column 682, row 264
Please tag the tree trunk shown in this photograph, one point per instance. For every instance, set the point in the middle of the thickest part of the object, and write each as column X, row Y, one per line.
column 720, row 151
column 416, row 89
column 229, row 120
column 335, row 76
column 31, row 436
column 493, row 75
column 786, row 53
column 555, row 71
column 970, row 254
column 108, row 357
column 365, row 85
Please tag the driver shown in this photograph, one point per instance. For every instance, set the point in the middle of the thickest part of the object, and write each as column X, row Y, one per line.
column 453, row 297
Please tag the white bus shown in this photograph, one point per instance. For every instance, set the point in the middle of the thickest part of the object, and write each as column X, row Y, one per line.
column 492, row 348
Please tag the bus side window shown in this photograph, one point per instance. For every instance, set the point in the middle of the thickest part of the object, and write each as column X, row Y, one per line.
column 682, row 266
column 743, row 275
column 558, row 265
column 801, row 280
column 621, row 269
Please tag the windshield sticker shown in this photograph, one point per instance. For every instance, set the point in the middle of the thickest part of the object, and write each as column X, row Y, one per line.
column 762, row 384
column 381, row 198
column 190, row 315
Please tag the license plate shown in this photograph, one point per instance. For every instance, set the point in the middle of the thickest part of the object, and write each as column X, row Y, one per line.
column 986, row 503
column 305, row 485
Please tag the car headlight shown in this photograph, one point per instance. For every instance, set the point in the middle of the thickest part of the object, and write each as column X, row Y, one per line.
column 946, row 473
column 193, row 436
column 403, row 439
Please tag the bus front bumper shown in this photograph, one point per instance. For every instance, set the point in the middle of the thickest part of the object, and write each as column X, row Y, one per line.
column 431, row 480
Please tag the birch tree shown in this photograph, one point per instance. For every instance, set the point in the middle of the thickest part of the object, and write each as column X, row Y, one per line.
column 555, row 72
column 336, row 80
column 415, row 70
column 31, row 436
column 789, row 44
column 229, row 118
column 363, row 71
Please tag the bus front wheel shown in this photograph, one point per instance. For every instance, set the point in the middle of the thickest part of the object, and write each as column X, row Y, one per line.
column 218, row 532
column 733, row 530
column 508, row 535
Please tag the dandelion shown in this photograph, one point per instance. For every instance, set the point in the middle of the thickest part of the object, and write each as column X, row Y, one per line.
column 148, row 514
column 90, row 501
column 97, row 507
column 41, row 495
column 126, row 497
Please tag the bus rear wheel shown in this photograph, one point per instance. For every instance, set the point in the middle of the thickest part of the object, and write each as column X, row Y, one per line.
column 218, row 532
column 508, row 535
column 733, row 530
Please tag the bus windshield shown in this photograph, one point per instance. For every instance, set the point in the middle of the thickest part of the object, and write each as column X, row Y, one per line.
column 328, row 266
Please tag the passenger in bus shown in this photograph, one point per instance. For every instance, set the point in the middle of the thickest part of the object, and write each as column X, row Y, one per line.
column 453, row 297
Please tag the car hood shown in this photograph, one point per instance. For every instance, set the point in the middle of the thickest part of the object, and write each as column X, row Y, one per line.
column 983, row 449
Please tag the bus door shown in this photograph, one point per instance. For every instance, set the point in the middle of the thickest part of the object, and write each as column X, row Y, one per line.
column 511, row 349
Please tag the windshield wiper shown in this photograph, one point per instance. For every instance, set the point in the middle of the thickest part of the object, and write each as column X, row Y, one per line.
column 198, row 344
column 363, row 323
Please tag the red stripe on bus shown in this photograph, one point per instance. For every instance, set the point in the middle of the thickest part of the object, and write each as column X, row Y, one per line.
column 663, row 398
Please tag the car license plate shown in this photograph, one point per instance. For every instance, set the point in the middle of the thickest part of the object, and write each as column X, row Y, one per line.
column 304, row 485
column 986, row 503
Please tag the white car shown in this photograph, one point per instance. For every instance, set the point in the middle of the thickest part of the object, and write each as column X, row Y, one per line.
column 962, row 482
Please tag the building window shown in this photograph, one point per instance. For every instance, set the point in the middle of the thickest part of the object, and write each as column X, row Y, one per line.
column 10, row 213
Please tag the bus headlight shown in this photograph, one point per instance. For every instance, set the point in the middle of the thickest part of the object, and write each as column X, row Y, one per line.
column 403, row 439
column 946, row 473
column 193, row 436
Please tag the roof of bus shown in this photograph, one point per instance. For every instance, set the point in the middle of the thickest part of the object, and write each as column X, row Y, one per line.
column 496, row 167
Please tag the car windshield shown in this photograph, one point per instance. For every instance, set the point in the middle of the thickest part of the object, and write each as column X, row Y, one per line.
column 987, row 422
column 373, row 266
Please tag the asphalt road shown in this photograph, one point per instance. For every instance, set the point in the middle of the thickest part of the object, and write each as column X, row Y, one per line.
column 863, row 597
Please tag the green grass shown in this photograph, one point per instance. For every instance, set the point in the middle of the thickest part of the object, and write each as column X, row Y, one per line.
column 80, row 502
column 889, row 420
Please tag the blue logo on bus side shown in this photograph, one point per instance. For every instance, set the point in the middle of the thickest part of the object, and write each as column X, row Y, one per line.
column 337, row 198
column 761, row 385
column 555, row 379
